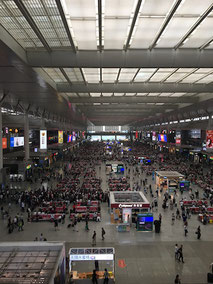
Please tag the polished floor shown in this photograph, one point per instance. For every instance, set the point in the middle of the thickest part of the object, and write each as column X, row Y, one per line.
column 148, row 257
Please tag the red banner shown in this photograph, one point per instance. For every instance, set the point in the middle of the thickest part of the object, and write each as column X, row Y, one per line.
column 4, row 143
column 209, row 139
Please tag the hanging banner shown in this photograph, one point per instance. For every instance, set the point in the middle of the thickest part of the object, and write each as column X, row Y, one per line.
column 4, row 143
column 209, row 139
column 60, row 137
column 43, row 139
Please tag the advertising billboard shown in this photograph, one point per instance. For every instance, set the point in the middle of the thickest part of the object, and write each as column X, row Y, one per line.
column 16, row 141
column 162, row 138
column 4, row 143
column 60, row 137
column 43, row 139
column 69, row 138
column 209, row 139
column 178, row 138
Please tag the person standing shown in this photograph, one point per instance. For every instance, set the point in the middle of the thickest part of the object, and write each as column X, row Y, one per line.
column 185, row 230
column 198, row 232
column 106, row 276
column 94, row 277
column 177, row 279
column 103, row 233
column 94, row 239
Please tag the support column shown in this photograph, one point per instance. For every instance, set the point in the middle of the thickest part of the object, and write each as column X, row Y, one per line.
column 26, row 137
column 1, row 150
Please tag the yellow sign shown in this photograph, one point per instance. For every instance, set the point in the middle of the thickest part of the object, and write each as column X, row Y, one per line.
column 60, row 137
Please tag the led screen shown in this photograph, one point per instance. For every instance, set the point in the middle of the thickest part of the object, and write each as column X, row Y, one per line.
column 162, row 137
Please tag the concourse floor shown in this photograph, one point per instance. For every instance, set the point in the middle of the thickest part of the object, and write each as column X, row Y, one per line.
column 148, row 257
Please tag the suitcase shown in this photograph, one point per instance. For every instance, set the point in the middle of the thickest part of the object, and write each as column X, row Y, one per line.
column 210, row 277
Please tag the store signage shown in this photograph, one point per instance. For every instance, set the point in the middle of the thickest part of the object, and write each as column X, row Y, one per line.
column 60, row 137
column 130, row 205
column 43, row 139
column 16, row 141
column 4, row 143
column 82, row 257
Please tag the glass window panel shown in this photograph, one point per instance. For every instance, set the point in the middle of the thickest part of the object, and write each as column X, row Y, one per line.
column 106, row 94
column 126, row 75
column 206, row 80
column 175, row 77
column 153, row 94
column 201, row 35
column 165, row 94
column 83, row 94
column 185, row 70
column 192, row 78
column 175, row 30
column 118, row 8
column 156, row 8
column 95, row 94
column 115, row 32
column 81, row 8
column 166, row 70
column 73, row 74
column 159, row 76
column 193, row 7
column 85, row 33
column 178, row 94
column 55, row 74
column 204, row 70
column 130, row 94
column 118, row 94
column 145, row 32
column 109, row 74
column 92, row 75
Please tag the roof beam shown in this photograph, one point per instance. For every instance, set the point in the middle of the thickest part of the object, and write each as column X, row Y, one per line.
column 197, row 23
column 33, row 25
column 128, row 106
column 100, row 24
column 165, row 23
column 137, row 9
column 63, row 18
column 143, row 58
column 134, row 100
column 135, row 88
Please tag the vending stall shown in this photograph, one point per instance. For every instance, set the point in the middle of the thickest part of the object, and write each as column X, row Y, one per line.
column 168, row 179
column 125, row 206
column 82, row 262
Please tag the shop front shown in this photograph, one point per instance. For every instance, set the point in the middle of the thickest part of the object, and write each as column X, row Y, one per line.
column 168, row 180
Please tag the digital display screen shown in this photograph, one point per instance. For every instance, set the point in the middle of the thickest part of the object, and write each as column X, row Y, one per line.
column 16, row 141
column 195, row 133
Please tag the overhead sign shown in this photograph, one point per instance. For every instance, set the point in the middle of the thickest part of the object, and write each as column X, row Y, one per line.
column 82, row 257
column 4, row 143
column 209, row 139
column 60, row 137
column 43, row 139
column 16, row 141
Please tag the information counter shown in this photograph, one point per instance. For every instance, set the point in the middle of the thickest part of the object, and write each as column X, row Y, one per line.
column 82, row 262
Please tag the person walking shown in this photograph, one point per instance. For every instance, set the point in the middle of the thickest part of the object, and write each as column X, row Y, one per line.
column 198, row 232
column 106, row 276
column 185, row 230
column 173, row 218
column 177, row 279
column 176, row 251
column 180, row 254
column 94, row 239
column 103, row 233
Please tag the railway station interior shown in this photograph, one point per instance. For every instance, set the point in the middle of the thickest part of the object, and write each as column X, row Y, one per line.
column 106, row 141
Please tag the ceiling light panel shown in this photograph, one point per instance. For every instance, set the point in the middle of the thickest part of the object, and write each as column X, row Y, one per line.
column 165, row 94
column 47, row 18
column 109, row 75
column 156, row 8
column 83, row 94
column 127, row 74
column 92, row 75
column 74, row 74
column 119, row 8
column 153, row 94
column 129, row 94
column 55, row 74
column 118, row 94
column 141, row 94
